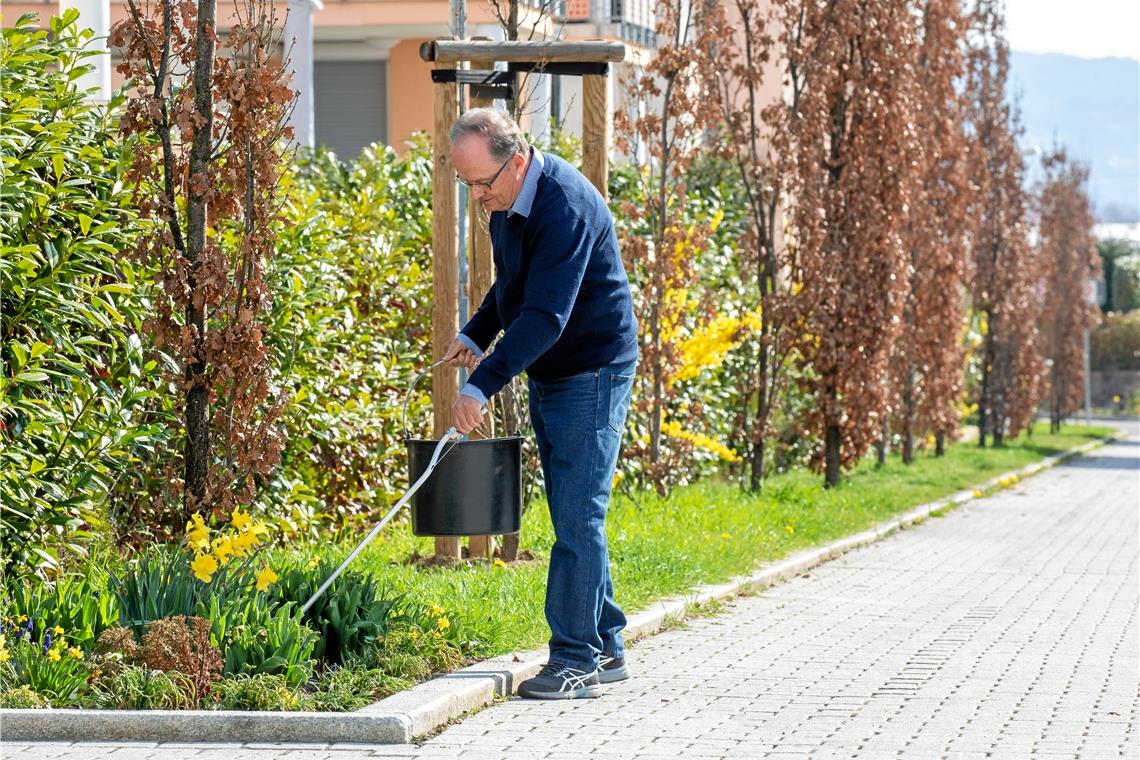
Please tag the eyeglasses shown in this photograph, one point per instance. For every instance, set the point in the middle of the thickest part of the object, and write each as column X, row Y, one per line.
column 485, row 184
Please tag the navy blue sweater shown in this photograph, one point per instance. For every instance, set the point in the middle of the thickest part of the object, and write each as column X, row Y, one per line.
column 561, row 295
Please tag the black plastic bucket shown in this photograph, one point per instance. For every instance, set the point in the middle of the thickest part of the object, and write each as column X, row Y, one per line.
column 476, row 487
column 475, row 490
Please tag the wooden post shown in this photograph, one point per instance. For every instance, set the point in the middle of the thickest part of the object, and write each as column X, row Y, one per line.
column 596, row 131
column 445, row 275
column 480, row 276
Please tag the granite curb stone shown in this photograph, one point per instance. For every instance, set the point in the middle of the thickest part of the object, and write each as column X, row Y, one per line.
column 412, row 714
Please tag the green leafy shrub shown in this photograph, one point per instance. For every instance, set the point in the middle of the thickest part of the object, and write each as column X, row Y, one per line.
column 256, row 692
column 353, row 612
column 76, row 603
column 47, row 666
column 157, row 584
column 352, row 687
column 413, row 652
column 76, row 380
column 1115, row 344
column 22, row 698
column 270, row 641
column 140, row 688
column 350, row 326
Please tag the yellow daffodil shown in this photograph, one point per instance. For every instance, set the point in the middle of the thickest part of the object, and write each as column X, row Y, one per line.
column 239, row 519
column 223, row 548
column 53, row 655
column 443, row 623
column 499, row 564
column 3, row 655
column 312, row 563
column 75, row 652
column 58, row 631
column 204, row 567
column 243, row 542
column 257, row 529
column 265, row 579
column 197, row 533
column 976, row 493
column 436, row 609
column 726, row 536
column 790, row 528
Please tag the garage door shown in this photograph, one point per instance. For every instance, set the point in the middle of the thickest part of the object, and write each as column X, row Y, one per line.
column 351, row 101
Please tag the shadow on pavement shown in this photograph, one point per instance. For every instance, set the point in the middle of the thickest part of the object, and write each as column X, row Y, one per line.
column 1096, row 461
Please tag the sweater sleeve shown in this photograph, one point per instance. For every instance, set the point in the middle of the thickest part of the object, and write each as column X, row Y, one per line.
column 484, row 324
column 560, row 251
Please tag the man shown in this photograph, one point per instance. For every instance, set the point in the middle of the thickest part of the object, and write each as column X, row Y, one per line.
column 562, row 300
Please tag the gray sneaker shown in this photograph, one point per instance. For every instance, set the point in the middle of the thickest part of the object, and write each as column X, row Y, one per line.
column 556, row 681
column 612, row 669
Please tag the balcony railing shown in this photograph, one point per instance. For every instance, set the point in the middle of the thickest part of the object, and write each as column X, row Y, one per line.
column 633, row 20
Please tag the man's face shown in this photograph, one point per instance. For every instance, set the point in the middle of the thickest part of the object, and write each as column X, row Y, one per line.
column 494, row 183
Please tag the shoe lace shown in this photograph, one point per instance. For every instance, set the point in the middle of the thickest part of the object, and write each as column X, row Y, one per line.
column 554, row 670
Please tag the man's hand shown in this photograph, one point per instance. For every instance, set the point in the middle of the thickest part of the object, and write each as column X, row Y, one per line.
column 466, row 414
column 459, row 355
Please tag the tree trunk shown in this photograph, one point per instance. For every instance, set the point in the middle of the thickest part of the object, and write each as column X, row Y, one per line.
column 984, row 410
column 939, row 444
column 831, row 456
column 762, row 411
column 197, row 394
column 908, row 418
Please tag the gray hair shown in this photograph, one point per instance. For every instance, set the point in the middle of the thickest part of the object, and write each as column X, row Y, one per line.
column 504, row 138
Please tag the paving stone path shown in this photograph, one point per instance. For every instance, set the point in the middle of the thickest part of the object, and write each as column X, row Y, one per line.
column 1004, row 629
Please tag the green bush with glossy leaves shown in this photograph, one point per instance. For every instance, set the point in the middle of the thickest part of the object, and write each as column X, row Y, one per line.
column 75, row 379
column 349, row 328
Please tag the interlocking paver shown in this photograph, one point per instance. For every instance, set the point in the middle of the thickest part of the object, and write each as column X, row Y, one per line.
column 1006, row 628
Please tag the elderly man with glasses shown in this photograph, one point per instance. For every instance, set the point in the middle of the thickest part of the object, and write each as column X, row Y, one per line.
column 562, row 302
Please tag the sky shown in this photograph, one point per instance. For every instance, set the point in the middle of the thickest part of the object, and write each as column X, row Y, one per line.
column 1088, row 28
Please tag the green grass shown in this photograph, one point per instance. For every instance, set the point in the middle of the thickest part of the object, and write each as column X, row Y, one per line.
column 705, row 533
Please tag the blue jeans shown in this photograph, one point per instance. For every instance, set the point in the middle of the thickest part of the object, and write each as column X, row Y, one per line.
column 578, row 423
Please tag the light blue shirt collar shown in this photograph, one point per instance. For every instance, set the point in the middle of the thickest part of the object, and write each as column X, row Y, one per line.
column 525, row 199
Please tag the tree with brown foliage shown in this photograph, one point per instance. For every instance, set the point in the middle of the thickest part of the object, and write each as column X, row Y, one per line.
column 212, row 110
column 1006, row 286
column 742, row 56
column 929, row 354
column 1067, row 251
column 659, row 246
column 849, row 146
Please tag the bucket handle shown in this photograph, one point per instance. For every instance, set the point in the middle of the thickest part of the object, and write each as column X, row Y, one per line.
column 420, row 376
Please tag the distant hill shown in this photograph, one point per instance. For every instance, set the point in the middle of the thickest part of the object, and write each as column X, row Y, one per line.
column 1092, row 107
